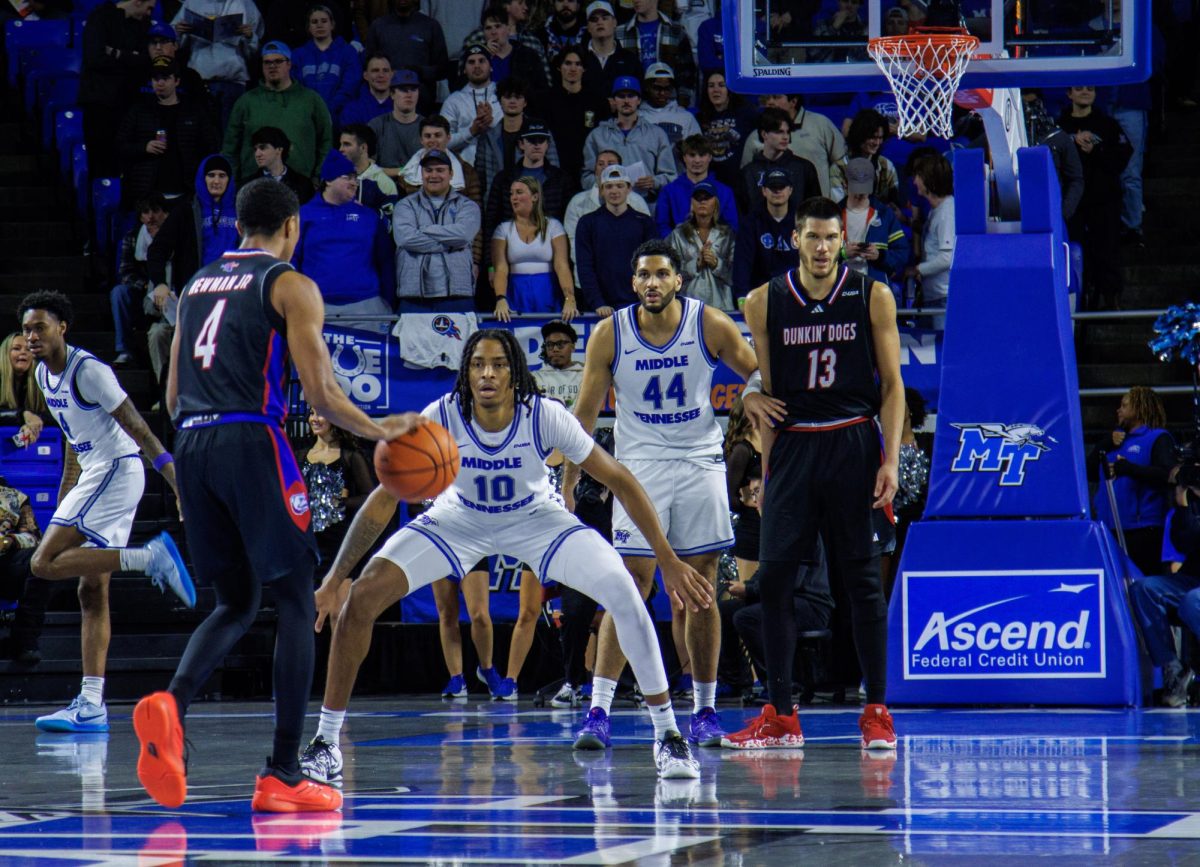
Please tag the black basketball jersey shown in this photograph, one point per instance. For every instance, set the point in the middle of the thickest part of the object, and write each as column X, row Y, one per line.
column 821, row 352
column 233, row 351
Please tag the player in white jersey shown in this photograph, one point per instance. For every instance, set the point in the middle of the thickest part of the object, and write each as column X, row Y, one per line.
column 101, row 487
column 501, row 502
column 660, row 355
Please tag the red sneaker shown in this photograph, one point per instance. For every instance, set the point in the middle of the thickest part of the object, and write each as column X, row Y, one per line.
column 878, row 731
column 768, row 731
column 161, row 768
column 273, row 794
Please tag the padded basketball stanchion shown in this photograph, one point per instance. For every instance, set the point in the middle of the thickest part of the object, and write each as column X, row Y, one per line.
column 1007, row 593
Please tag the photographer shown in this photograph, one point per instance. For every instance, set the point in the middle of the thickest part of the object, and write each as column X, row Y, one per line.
column 1156, row 597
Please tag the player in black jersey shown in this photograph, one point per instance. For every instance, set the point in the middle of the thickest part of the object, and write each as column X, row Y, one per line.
column 829, row 349
column 244, row 501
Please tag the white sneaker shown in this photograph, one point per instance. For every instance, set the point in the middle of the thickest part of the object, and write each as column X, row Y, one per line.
column 167, row 569
column 79, row 716
column 674, row 760
column 565, row 697
column 322, row 761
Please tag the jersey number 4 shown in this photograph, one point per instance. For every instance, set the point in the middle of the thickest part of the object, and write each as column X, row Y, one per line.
column 676, row 391
column 205, row 347
column 822, row 368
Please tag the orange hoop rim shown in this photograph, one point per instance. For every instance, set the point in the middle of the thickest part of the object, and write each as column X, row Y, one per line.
column 914, row 44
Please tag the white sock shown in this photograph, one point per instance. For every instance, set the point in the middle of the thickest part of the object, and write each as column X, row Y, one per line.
column 93, row 689
column 330, row 726
column 134, row 559
column 663, row 717
column 603, row 691
column 704, row 695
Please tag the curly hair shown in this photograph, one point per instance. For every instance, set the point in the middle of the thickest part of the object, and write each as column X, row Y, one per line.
column 522, row 382
column 740, row 427
column 54, row 303
column 1147, row 407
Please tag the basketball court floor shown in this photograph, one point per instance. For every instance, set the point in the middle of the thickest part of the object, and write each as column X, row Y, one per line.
column 476, row 782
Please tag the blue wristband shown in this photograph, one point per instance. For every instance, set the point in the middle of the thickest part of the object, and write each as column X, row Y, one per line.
column 162, row 460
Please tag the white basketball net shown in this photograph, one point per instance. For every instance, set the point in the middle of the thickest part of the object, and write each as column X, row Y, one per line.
column 923, row 70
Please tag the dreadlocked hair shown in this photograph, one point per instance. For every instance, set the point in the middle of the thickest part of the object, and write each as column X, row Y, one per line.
column 1147, row 407
column 523, row 384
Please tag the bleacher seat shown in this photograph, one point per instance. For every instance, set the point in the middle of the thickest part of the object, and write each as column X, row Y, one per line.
column 106, row 200
column 35, row 469
column 41, row 65
column 68, row 132
column 22, row 36
column 79, row 179
column 54, row 94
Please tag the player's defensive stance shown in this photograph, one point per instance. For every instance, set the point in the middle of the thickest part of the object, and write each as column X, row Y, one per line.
column 502, row 503
column 97, row 504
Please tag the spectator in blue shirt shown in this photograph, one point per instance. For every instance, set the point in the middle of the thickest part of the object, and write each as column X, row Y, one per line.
column 604, row 243
column 374, row 99
column 675, row 201
column 327, row 63
column 345, row 247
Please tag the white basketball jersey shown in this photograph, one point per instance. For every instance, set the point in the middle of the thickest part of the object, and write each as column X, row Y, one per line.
column 664, row 404
column 94, row 435
column 505, row 472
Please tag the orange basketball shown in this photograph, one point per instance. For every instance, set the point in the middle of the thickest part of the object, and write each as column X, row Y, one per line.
column 419, row 465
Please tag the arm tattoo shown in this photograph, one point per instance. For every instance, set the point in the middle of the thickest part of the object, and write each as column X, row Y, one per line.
column 364, row 531
column 132, row 423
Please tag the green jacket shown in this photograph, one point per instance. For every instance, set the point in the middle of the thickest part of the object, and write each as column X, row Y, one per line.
column 298, row 111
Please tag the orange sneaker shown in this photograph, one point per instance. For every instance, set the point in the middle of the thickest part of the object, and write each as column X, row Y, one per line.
column 168, row 840
column 273, row 793
column 161, row 767
column 768, row 731
column 878, row 731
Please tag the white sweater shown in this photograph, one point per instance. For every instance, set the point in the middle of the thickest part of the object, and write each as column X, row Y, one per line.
column 938, row 246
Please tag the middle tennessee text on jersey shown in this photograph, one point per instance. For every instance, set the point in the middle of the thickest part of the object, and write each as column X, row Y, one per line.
column 664, row 404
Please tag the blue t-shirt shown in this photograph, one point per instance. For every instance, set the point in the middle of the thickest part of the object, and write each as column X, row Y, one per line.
column 648, row 42
column 501, row 67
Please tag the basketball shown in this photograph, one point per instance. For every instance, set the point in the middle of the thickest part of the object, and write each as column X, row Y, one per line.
column 419, row 465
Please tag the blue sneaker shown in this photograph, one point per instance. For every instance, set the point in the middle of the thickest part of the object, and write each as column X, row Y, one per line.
column 506, row 690
column 79, row 716
column 167, row 569
column 456, row 688
column 706, row 728
column 595, row 732
column 585, row 692
column 490, row 678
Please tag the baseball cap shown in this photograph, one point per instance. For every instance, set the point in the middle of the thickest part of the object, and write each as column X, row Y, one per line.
column 161, row 31
column 163, row 67
column 626, row 82
column 776, row 179
column 557, row 326
column 405, row 78
column 599, row 6
column 659, row 70
column 614, row 173
column 535, row 129
column 860, row 176
column 277, row 47
column 704, row 190
column 435, row 156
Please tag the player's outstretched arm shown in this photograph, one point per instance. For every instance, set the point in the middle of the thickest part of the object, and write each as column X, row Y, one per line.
column 132, row 423
column 299, row 302
column 597, row 380
column 369, row 522
column 886, row 337
column 724, row 341
column 685, row 586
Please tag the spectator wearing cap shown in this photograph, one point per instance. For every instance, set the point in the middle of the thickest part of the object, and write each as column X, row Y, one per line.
column 475, row 108
column 895, row 23
column 398, row 133
column 564, row 27
column 873, row 243
column 162, row 139
column 414, row 40
column 224, row 64
column 556, row 186
column 530, row 266
column 674, row 203
column 604, row 242
column 164, row 42
column 643, row 146
column 661, row 108
column 509, row 58
column 374, row 99
column 196, row 232
column 375, row 189
column 560, row 375
column 655, row 38
column 281, row 102
column 571, row 109
column 589, row 200
column 604, row 60
column 775, row 129
column 705, row 243
column 344, row 247
column 114, row 68
column 435, row 136
column 133, row 280
column 498, row 148
column 327, row 63
column 764, row 237
column 435, row 230
column 812, row 137
column 271, row 148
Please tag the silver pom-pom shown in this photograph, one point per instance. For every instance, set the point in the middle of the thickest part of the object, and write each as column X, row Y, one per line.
column 914, row 475
column 325, row 486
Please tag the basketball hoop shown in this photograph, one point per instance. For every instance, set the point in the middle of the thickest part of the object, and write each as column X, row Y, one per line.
column 923, row 68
